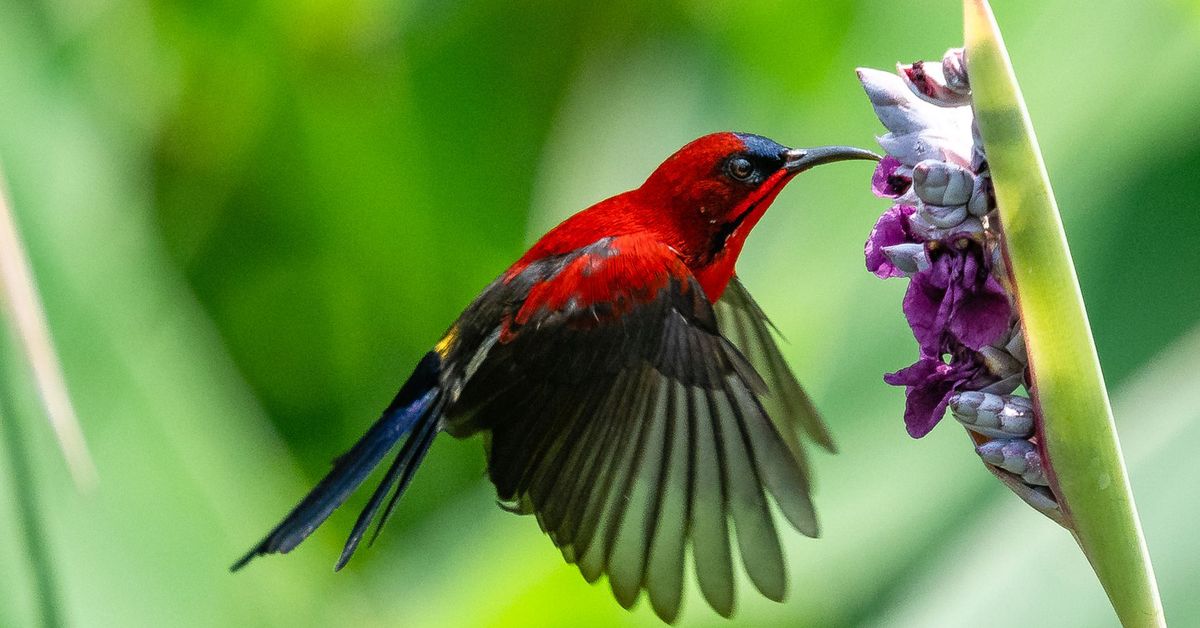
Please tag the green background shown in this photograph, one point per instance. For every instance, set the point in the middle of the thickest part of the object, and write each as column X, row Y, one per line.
column 249, row 220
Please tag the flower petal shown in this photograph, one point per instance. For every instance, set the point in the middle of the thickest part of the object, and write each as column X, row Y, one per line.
column 928, row 303
column 891, row 229
column 895, row 105
column 982, row 316
column 888, row 182
column 929, row 385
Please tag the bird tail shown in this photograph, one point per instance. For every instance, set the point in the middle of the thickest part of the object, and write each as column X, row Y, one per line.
column 416, row 412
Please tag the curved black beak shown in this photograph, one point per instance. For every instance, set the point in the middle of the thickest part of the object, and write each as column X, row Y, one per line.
column 801, row 159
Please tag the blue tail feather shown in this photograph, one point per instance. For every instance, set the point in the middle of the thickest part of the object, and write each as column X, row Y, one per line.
column 415, row 409
column 399, row 474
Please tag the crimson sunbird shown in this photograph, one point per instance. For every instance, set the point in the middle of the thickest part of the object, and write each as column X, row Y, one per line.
column 628, row 389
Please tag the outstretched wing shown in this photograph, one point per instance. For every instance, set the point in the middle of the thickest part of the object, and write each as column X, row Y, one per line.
column 618, row 415
column 747, row 326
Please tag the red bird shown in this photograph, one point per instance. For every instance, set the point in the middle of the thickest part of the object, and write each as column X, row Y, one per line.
column 628, row 389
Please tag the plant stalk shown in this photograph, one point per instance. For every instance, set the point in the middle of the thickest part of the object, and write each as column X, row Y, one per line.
column 21, row 470
column 1067, row 384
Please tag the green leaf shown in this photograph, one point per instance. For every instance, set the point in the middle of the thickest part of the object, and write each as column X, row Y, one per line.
column 1068, row 387
column 22, row 307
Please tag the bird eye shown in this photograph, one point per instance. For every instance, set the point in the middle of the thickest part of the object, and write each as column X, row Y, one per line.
column 741, row 169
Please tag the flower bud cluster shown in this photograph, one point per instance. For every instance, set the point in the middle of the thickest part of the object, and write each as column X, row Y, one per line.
column 942, row 232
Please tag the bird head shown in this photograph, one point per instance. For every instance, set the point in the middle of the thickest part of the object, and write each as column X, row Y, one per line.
column 712, row 192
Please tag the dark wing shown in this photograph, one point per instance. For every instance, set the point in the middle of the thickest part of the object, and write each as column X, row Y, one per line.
column 618, row 415
column 747, row 326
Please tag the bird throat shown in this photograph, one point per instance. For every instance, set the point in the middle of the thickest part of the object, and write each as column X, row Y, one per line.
column 727, row 241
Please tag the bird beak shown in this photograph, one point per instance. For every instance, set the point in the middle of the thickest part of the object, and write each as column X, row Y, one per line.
column 801, row 159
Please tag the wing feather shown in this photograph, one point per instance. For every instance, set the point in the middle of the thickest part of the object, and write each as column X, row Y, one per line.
column 579, row 526
column 633, row 429
column 788, row 405
column 664, row 569
column 779, row 471
column 710, row 531
column 603, row 516
column 638, row 505
column 757, row 541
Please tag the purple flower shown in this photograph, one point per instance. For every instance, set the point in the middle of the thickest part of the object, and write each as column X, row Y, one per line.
column 888, row 181
column 891, row 229
column 930, row 383
column 938, row 233
column 956, row 299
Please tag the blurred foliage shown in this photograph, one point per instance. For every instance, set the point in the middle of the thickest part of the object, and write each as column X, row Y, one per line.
column 249, row 219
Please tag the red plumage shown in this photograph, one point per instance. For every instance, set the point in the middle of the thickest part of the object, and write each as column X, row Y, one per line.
column 630, row 273
column 628, row 388
column 677, row 208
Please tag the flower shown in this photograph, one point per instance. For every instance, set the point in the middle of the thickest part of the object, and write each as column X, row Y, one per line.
column 892, row 229
column 890, row 179
column 917, row 130
column 956, row 297
column 942, row 233
column 1046, row 433
column 930, row 383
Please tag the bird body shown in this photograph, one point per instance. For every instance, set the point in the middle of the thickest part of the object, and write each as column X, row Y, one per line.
column 627, row 387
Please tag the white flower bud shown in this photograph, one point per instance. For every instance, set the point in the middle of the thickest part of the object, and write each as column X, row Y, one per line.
column 913, row 148
column 942, row 217
column 910, row 258
column 1005, row 386
column 1017, row 456
column 924, row 228
column 994, row 416
column 895, row 104
column 1000, row 363
column 980, row 201
column 942, row 183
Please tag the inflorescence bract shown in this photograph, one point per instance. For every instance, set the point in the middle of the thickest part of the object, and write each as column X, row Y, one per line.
column 943, row 233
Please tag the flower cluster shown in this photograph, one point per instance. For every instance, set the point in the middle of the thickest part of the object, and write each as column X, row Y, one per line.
column 942, row 232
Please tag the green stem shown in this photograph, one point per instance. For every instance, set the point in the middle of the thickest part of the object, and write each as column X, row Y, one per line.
column 1078, row 431
column 28, row 520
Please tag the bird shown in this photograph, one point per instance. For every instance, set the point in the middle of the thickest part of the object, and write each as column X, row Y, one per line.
column 629, row 392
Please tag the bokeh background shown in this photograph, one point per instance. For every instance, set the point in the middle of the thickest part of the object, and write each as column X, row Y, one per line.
column 249, row 219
